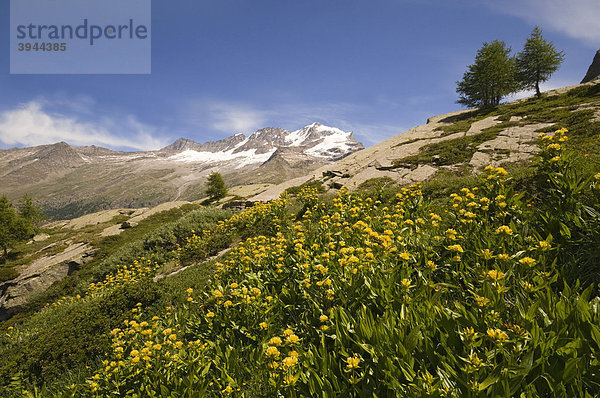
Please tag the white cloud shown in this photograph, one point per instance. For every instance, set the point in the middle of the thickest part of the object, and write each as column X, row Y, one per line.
column 234, row 118
column 32, row 124
column 545, row 86
column 578, row 19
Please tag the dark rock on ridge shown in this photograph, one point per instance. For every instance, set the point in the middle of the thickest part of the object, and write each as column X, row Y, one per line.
column 593, row 72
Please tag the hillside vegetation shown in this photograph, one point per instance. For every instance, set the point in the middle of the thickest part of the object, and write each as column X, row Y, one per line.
column 488, row 288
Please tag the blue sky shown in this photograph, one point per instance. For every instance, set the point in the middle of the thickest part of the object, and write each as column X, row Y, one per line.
column 219, row 67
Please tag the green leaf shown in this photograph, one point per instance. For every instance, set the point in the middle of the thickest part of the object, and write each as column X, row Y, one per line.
column 571, row 368
column 412, row 339
column 491, row 379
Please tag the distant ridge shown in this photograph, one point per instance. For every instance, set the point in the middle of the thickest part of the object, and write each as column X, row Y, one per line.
column 72, row 181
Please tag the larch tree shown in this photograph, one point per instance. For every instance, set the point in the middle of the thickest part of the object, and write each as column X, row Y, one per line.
column 490, row 78
column 538, row 61
column 215, row 186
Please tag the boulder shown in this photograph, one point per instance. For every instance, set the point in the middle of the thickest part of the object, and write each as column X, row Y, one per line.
column 39, row 275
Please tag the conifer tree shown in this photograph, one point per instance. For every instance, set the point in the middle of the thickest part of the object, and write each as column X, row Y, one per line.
column 538, row 61
column 490, row 78
column 215, row 186
column 13, row 226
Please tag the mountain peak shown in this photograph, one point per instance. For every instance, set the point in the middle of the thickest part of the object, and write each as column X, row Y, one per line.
column 594, row 69
column 181, row 144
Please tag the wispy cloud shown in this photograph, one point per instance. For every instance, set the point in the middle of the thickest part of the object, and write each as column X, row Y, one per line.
column 234, row 118
column 545, row 86
column 226, row 118
column 48, row 120
column 575, row 18
column 32, row 123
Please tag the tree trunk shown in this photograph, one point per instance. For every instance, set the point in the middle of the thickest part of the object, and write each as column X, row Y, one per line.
column 537, row 90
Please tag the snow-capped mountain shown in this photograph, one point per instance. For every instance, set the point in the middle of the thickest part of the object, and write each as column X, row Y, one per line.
column 91, row 178
column 316, row 140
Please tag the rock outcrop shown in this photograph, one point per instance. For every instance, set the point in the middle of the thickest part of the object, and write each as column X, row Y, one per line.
column 593, row 72
column 39, row 275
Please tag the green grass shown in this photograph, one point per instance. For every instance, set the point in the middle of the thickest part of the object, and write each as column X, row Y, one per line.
column 453, row 151
column 559, row 110
column 8, row 273
column 146, row 237
column 67, row 339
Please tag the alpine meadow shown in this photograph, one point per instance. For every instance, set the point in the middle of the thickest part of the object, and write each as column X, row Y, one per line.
column 459, row 258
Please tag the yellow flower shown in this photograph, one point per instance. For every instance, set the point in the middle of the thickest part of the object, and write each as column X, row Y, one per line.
column 263, row 325
column 528, row 261
column 504, row 230
column 289, row 380
column 275, row 341
column 451, row 234
column 482, row 301
column 172, row 337
column 487, row 254
column 352, row 362
column 455, row 248
column 323, row 318
column 290, row 362
column 228, row 303
column 405, row 283
column 178, row 345
column 404, row 255
column 528, row 286
column 210, row 314
column 468, row 214
column 234, row 285
column 190, row 291
column 468, row 335
column 495, row 275
column 501, row 171
column 292, row 339
column 272, row 352
column 288, row 332
column 497, row 335
column 544, row 245
column 157, row 347
column 227, row 390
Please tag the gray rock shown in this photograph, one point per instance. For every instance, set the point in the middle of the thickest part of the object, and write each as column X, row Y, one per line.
column 593, row 72
column 39, row 275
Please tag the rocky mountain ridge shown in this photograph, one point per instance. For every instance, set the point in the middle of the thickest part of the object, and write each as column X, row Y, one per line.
column 479, row 138
column 76, row 180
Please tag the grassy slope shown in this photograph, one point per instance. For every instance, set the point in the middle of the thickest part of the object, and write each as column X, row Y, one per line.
column 104, row 312
column 573, row 110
